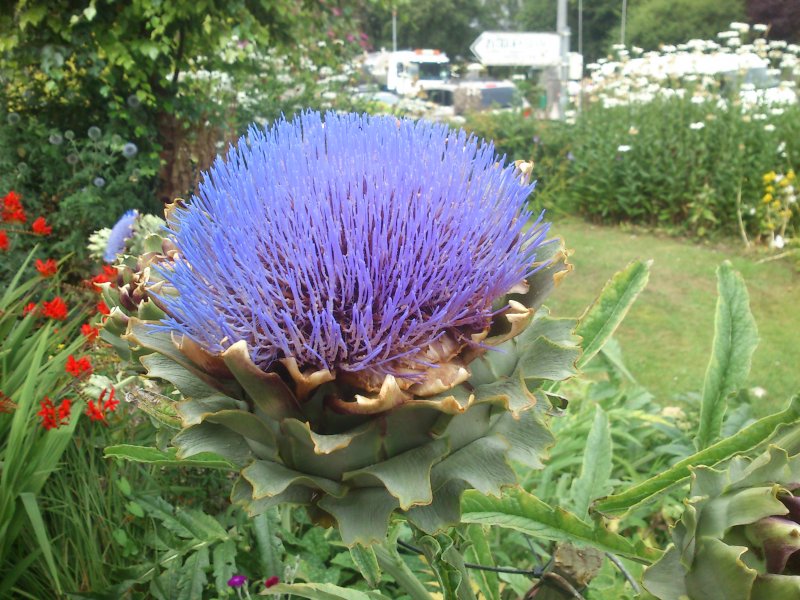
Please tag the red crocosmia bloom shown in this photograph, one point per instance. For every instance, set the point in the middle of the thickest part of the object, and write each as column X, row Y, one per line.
column 274, row 580
column 111, row 402
column 4, row 243
column 95, row 411
column 52, row 417
column 89, row 332
column 109, row 275
column 55, row 309
column 78, row 368
column 102, row 308
column 40, row 227
column 29, row 308
column 64, row 409
column 12, row 209
column 46, row 268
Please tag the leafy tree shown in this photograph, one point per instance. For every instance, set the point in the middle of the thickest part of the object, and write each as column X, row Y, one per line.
column 183, row 64
column 655, row 22
column 449, row 25
column 783, row 17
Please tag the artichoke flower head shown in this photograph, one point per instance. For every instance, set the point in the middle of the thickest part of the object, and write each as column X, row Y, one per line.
column 350, row 307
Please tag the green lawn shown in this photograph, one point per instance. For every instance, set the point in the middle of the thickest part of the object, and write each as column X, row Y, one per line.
column 667, row 335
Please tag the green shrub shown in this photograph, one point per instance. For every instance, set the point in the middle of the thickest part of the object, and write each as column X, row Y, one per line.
column 670, row 163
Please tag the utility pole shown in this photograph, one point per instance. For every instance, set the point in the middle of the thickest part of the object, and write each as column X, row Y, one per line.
column 563, row 30
column 624, row 19
column 394, row 28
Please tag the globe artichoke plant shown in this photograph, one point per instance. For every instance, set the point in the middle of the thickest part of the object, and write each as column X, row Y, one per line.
column 739, row 536
column 351, row 310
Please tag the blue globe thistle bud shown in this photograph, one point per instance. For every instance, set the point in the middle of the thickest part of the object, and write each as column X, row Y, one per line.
column 129, row 150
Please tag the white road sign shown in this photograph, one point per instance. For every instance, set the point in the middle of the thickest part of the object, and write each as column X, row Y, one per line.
column 512, row 49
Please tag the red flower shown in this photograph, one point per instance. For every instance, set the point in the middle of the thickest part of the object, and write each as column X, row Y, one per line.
column 78, row 368
column 274, row 580
column 29, row 308
column 55, row 309
column 95, row 411
column 46, row 268
column 109, row 275
column 4, row 244
column 40, row 227
column 102, row 308
column 12, row 208
column 52, row 417
column 111, row 402
column 64, row 408
column 89, row 332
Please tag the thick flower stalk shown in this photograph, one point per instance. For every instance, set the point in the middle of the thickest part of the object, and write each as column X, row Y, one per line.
column 739, row 537
column 349, row 307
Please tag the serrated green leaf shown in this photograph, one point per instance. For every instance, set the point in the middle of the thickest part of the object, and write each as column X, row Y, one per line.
column 746, row 439
column 161, row 510
column 202, row 526
column 322, row 591
column 596, row 467
column 224, row 558
column 367, row 564
column 193, row 576
column 270, row 547
column 603, row 317
column 166, row 458
column 735, row 340
column 524, row 512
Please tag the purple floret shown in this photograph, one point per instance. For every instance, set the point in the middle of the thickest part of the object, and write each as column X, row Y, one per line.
column 122, row 231
column 350, row 244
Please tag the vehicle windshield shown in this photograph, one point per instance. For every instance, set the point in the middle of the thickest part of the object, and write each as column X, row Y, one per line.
column 438, row 71
column 501, row 97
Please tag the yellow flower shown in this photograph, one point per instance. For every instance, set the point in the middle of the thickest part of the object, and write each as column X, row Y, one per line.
column 770, row 189
column 784, row 182
column 786, row 214
column 776, row 205
column 769, row 177
column 767, row 198
column 790, row 175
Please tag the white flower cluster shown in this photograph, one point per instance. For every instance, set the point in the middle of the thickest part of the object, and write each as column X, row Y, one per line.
column 741, row 64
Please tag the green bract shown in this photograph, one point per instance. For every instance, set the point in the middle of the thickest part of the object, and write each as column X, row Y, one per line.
column 739, row 536
column 389, row 452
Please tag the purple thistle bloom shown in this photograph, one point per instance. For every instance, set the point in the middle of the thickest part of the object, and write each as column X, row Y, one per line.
column 237, row 581
column 122, row 230
column 349, row 245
